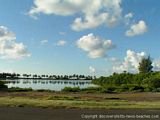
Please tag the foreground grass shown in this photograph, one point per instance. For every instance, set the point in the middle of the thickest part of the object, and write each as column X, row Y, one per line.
column 75, row 102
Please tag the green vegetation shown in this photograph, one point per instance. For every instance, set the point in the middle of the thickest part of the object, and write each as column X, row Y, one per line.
column 3, row 86
column 84, row 90
column 101, row 101
column 145, row 81
column 130, row 82
column 17, row 89
column 145, row 65
column 70, row 89
column 21, row 102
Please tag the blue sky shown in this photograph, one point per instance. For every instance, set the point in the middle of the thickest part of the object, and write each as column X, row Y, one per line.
column 82, row 37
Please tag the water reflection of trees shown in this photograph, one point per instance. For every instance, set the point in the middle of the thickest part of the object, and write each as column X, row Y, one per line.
column 54, row 82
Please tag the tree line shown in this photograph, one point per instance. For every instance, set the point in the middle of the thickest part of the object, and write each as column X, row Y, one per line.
column 36, row 76
column 145, row 80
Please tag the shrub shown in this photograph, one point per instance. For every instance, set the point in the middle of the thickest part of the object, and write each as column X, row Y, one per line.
column 125, row 87
column 92, row 89
column 148, row 89
column 17, row 89
column 156, row 90
column 109, row 89
column 152, row 82
column 71, row 89
column 122, row 88
column 136, row 88
column 155, row 83
column 3, row 86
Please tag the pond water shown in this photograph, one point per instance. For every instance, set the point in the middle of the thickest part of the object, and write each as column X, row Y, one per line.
column 56, row 85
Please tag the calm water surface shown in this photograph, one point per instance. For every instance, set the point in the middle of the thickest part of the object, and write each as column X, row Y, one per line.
column 55, row 85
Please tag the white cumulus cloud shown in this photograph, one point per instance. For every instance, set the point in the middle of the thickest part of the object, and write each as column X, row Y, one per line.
column 130, row 62
column 94, row 46
column 129, row 15
column 62, row 33
column 43, row 42
column 92, row 13
column 137, row 29
column 9, row 48
column 156, row 65
column 61, row 43
column 127, row 18
column 92, row 69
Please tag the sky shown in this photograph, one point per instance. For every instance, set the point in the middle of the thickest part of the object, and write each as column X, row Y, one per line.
column 90, row 37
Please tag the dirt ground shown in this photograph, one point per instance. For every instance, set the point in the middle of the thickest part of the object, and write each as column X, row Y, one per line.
column 18, row 113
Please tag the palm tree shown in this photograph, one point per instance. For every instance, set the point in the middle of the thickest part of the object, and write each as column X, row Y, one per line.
column 35, row 76
column 24, row 75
